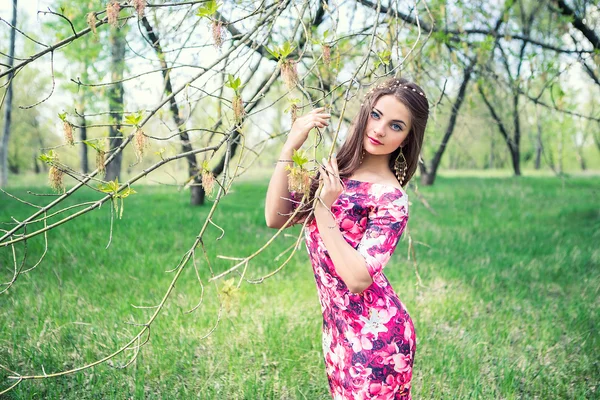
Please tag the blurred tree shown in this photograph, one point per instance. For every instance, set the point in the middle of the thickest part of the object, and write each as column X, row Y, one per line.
column 116, row 94
column 8, row 102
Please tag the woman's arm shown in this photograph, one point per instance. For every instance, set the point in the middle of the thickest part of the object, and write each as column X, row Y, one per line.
column 359, row 267
column 277, row 200
column 349, row 263
column 278, row 192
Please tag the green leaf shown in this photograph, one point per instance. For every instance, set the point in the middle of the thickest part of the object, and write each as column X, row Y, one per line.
column 233, row 82
column 112, row 188
column 274, row 52
column 385, row 56
column 208, row 9
column 134, row 119
column 293, row 101
column 48, row 157
column 62, row 116
column 93, row 145
column 299, row 157
column 286, row 49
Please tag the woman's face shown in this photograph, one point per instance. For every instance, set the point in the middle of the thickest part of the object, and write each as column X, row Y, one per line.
column 387, row 127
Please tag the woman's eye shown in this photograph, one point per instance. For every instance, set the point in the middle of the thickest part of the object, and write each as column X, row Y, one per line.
column 374, row 114
column 396, row 127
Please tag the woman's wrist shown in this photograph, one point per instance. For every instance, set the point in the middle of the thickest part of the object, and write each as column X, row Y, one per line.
column 287, row 151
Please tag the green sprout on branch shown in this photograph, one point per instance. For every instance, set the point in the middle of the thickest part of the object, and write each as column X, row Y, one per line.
column 112, row 188
column 208, row 9
column 299, row 177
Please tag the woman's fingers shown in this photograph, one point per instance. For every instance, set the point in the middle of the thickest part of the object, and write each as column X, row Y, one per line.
column 330, row 173
column 334, row 167
column 324, row 178
column 317, row 123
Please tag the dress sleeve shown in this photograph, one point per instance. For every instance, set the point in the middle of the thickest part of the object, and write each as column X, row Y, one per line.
column 384, row 228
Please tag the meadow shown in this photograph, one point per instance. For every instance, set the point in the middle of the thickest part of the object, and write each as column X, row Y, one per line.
column 504, row 294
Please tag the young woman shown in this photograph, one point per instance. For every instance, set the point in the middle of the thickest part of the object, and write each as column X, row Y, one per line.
column 369, row 339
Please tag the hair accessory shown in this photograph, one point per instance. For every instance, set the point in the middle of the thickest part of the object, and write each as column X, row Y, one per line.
column 393, row 86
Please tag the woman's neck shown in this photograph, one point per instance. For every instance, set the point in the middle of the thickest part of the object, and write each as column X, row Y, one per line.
column 374, row 163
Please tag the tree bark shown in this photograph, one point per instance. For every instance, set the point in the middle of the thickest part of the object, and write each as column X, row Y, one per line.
column 514, row 153
column 83, row 150
column 8, row 104
column 539, row 148
column 428, row 175
column 196, row 198
column 115, row 100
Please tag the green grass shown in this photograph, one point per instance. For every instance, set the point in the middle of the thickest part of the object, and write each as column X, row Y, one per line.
column 509, row 306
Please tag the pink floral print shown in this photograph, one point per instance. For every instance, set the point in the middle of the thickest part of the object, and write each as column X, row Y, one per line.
column 369, row 339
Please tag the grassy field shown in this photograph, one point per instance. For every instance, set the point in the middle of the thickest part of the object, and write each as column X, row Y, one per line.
column 508, row 306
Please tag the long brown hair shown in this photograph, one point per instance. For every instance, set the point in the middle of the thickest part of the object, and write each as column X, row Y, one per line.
column 349, row 155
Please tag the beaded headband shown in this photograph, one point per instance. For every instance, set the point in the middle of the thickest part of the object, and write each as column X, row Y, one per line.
column 395, row 85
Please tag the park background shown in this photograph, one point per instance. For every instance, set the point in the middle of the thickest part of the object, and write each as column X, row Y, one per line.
column 499, row 264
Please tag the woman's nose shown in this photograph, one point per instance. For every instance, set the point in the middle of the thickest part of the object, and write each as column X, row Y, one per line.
column 378, row 130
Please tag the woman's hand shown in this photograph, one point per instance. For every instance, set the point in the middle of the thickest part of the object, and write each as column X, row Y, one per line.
column 330, row 180
column 317, row 118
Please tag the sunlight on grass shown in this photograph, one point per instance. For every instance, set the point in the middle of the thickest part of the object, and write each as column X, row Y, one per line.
column 508, row 307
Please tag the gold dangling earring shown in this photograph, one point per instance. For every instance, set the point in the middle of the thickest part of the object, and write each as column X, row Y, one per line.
column 362, row 156
column 400, row 167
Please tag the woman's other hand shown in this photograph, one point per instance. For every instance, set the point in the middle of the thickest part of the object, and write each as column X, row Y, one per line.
column 317, row 118
column 330, row 180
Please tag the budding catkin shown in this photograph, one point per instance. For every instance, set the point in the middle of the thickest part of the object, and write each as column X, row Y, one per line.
column 140, row 6
column 68, row 130
column 140, row 142
column 238, row 108
column 55, row 175
column 100, row 159
column 298, row 180
column 112, row 12
column 326, row 54
column 289, row 73
column 208, row 181
column 217, row 33
column 91, row 21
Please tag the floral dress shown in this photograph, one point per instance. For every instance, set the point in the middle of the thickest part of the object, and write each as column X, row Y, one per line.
column 368, row 338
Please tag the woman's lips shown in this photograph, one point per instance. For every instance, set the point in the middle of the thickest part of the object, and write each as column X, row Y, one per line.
column 377, row 142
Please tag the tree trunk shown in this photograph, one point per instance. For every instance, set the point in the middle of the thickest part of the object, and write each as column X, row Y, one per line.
column 515, row 151
column 538, row 144
column 84, row 148
column 492, row 155
column 115, row 100
column 513, row 148
column 8, row 104
column 428, row 175
column 83, row 136
column 580, row 158
column 36, row 165
column 196, row 198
